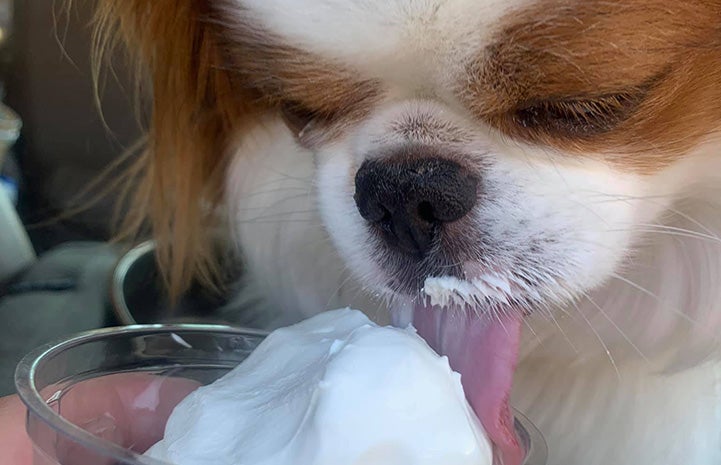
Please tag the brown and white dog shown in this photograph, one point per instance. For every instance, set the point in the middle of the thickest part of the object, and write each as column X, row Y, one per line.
column 553, row 165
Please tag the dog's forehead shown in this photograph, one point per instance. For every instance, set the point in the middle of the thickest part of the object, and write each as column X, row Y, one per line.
column 379, row 32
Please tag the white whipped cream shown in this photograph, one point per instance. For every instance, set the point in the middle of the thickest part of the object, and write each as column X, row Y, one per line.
column 447, row 291
column 333, row 390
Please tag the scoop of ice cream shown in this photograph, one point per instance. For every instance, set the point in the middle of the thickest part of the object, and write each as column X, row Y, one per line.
column 334, row 389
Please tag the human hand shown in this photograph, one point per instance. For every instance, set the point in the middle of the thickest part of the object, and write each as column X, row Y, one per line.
column 15, row 448
column 127, row 409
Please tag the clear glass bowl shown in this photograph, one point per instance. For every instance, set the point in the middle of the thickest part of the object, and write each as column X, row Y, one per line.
column 103, row 397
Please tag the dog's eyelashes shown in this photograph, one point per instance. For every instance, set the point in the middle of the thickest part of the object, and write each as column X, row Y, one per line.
column 297, row 117
column 579, row 117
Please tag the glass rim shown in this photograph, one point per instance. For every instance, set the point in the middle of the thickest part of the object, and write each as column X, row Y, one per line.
column 537, row 451
column 122, row 267
column 25, row 375
column 29, row 394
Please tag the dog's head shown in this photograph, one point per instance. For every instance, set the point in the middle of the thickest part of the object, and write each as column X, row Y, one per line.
column 503, row 154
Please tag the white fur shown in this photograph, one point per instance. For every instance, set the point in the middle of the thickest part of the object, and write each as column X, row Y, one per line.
column 292, row 269
column 631, row 374
column 591, row 413
column 370, row 33
column 626, row 370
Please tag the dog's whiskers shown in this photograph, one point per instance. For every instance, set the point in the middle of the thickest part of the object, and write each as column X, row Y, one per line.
column 616, row 327
column 645, row 291
column 682, row 232
column 600, row 340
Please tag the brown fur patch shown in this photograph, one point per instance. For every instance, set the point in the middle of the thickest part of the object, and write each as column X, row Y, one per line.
column 305, row 84
column 196, row 108
column 637, row 80
column 210, row 79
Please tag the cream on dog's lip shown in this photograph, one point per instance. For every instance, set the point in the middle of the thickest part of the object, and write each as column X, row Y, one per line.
column 448, row 291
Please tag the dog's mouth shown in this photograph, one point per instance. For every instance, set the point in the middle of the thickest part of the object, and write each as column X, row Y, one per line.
column 477, row 326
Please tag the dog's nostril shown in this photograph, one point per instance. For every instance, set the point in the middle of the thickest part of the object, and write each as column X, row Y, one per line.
column 410, row 199
column 425, row 212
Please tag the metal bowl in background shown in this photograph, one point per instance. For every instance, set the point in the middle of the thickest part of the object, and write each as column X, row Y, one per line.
column 138, row 296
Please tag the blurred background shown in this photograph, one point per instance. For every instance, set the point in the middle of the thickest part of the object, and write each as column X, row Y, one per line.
column 57, row 270
column 45, row 55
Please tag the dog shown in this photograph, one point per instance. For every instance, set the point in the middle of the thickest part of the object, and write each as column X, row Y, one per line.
column 535, row 184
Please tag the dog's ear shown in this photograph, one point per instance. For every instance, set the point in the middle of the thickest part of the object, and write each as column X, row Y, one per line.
column 197, row 105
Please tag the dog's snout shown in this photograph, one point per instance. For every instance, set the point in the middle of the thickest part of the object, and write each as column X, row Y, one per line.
column 410, row 200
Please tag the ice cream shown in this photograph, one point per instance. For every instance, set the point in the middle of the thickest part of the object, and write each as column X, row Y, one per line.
column 334, row 389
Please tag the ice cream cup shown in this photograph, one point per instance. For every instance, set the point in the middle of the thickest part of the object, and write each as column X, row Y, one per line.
column 103, row 397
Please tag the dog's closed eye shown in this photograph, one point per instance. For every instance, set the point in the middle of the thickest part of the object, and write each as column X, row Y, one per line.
column 305, row 122
column 577, row 117
column 297, row 117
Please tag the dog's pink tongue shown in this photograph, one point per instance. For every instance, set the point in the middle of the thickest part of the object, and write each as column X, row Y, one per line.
column 485, row 353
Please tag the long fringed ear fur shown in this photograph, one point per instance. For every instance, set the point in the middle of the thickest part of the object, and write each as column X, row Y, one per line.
column 197, row 105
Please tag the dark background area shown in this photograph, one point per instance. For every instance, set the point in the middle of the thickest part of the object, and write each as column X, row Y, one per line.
column 46, row 77
column 64, row 143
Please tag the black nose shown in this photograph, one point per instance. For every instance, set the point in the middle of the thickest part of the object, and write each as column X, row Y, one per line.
column 410, row 199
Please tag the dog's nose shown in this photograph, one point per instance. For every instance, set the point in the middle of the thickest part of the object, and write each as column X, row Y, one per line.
column 411, row 199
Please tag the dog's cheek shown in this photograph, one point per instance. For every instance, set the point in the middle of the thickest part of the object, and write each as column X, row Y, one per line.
column 345, row 226
column 581, row 216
